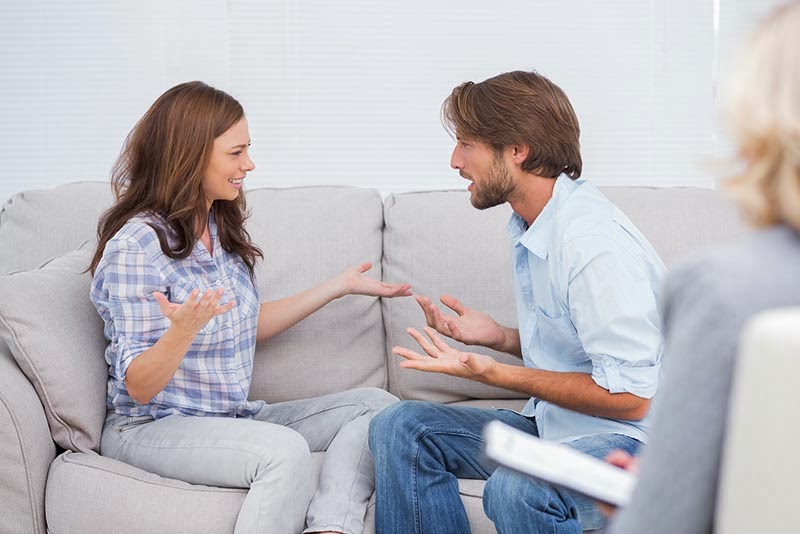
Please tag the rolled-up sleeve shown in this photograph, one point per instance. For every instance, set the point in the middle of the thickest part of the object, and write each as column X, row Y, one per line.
column 613, row 303
column 122, row 292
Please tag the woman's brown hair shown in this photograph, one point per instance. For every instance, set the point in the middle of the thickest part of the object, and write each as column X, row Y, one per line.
column 160, row 172
column 519, row 108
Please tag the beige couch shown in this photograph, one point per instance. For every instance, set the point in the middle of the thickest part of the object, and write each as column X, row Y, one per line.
column 52, row 373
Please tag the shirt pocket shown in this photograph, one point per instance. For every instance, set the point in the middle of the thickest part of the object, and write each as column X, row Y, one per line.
column 179, row 293
column 247, row 298
column 558, row 337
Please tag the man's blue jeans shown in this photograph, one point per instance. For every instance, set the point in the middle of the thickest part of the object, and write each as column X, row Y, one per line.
column 420, row 451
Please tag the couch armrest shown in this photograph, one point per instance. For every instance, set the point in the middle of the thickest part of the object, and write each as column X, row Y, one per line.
column 26, row 451
column 760, row 465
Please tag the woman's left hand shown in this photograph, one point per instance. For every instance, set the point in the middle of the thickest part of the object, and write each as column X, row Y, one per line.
column 355, row 283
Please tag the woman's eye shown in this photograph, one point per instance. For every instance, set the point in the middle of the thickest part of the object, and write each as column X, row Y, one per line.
column 237, row 153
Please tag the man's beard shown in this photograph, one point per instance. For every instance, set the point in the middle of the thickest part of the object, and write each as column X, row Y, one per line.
column 495, row 189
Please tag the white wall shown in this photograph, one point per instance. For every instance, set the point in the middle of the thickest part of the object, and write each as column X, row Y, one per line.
column 348, row 92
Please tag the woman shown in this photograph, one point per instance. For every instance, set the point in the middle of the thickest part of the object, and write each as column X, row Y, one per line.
column 708, row 301
column 174, row 282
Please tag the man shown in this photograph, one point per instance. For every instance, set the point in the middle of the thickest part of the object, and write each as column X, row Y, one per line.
column 587, row 289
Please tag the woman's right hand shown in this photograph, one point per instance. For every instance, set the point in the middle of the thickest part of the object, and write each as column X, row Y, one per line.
column 189, row 318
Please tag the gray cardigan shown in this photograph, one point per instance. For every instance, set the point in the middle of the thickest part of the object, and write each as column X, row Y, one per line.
column 706, row 304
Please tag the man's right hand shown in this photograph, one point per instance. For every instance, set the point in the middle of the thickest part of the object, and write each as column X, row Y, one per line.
column 469, row 326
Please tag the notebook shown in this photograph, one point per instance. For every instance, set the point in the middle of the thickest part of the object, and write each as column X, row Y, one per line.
column 558, row 464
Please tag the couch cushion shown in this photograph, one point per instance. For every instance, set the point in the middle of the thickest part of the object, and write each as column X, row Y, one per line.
column 91, row 494
column 56, row 337
column 679, row 221
column 440, row 244
column 309, row 234
column 40, row 224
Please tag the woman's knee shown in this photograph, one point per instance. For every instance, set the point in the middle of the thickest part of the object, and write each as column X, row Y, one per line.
column 377, row 399
column 282, row 449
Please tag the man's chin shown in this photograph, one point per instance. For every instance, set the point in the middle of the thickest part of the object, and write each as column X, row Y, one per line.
column 482, row 203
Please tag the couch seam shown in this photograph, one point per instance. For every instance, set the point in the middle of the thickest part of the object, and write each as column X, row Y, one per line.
column 193, row 487
column 387, row 321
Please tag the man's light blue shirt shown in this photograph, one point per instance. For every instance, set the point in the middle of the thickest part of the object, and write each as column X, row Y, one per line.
column 588, row 287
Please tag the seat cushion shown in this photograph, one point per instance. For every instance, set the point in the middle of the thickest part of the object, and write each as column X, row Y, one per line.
column 91, row 494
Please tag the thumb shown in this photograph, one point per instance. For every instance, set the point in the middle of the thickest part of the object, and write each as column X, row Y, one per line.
column 467, row 361
column 364, row 267
column 453, row 303
column 163, row 303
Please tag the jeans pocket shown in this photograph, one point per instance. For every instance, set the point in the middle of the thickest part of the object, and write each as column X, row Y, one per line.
column 126, row 423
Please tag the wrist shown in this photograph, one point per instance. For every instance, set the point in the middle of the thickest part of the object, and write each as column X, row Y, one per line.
column 337, row 287
column 177, row 336
column 501, row 345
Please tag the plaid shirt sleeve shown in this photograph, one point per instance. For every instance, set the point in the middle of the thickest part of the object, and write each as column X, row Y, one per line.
column 123, row 285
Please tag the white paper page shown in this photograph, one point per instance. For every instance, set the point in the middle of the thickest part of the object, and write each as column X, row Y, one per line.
column 558, row 464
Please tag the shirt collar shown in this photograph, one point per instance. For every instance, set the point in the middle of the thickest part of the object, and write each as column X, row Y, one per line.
column 538, row 236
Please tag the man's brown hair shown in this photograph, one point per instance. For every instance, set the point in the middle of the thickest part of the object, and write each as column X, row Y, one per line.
column 519, row 108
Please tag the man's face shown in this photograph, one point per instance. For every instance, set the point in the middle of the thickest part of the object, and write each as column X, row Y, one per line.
column 477, row 162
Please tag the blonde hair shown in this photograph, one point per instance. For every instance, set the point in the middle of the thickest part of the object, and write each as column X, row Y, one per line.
column 761, row 109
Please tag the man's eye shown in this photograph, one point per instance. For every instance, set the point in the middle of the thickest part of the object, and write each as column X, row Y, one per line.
column 237, row 153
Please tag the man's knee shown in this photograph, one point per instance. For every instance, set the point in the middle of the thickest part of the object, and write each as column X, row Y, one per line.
column 501, row 492
column 507, row 492
column 399, row 422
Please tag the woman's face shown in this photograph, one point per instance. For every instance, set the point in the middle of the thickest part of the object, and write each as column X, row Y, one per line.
column 229, row 164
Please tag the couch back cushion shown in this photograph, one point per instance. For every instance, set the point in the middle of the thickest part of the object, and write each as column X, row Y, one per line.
column 442, row 245
column 40, row 224
column 680, row 222
column 56, row 337
column 309, row 234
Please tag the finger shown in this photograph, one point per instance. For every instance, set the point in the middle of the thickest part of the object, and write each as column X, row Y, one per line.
column 193, row 299
column 364, row 267
column 437, row 340
column 426, row 345
column 397, row 290
column 224, row 308
column 163, row 303
column 439, row 321
column 606, row 509
column 408, row 354
column 427, row 365
column 452, row 328
column 453, row 303
column 427, row 308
